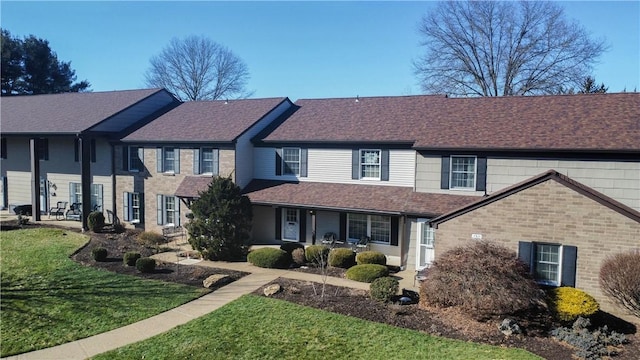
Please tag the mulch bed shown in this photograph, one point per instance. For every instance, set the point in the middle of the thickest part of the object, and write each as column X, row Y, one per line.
column 448, row 322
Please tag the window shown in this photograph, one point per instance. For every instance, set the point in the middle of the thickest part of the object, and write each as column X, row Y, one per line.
column 135, row 157
column 3, row 148
column 132, row 205
column 370, row 164
column 291, row 161
column 75, row 195
column 377, row 227
column 547, row 264
column 463, row 172
column 205, row 161
column 168, row 160
column 550, row 264
column 168, row 210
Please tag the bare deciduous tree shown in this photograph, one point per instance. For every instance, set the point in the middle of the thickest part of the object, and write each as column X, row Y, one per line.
column 494, row 48
column 198, row 68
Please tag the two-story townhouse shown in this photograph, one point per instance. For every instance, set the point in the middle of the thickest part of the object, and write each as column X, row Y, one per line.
column 56, row 148
column 161, row 167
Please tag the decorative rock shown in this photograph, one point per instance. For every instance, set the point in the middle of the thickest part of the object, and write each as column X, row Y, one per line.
column 214, row 280
column 272, row 289
column 405, row 300
column 509, row 327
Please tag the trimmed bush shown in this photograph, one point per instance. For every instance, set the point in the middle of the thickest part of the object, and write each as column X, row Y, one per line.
column 342, row 258
column 95, row 221
column 484, row 280
column 384, row 288
column 146, row 265
column 366, row 272
column 269, row 258
column 317, row 254
column 297, row 256
column 371, row 257
column 569, row 303
column 620, row 281
column 99, row 254
column 130, row 258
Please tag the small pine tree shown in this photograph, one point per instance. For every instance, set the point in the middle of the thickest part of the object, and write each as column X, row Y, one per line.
column 221, row 223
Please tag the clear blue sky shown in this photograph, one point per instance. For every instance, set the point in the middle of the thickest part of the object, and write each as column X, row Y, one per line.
column 294, row 49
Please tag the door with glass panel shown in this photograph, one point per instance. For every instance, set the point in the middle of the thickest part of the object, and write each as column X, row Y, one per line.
column 425, row 252
column 291, row 224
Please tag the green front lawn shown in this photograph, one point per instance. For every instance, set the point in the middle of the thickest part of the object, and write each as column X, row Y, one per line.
column 47, row 299
column 255, row 327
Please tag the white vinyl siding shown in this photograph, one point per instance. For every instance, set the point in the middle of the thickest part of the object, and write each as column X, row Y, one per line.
column 334, row 166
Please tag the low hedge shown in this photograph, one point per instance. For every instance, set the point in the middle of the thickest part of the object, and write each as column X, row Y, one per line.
column 342, row 258
column 366, row 272
column 371, row 257
column 146, row 265
column 269, row 258
column 317, row 254
column 130, row 258
column 384, row 288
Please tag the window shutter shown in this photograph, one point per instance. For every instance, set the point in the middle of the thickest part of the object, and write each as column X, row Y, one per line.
column 76, row 150
column 3, row 148
column 126, row 210
column 159, row 165
column 444, row 173
column 278, row 223
column 481, row 181
column 279, row 161
column 140, row 165
column 141, row 199
column 45, row 146
column 525, row 253
column 196, row 161
column 395, row 227
column 303, row 162
column 303, row 225
column 343, row 226
column 384, row 165
column 355, row 164
column 569, row 258
column 160, row 207
column 92, row 150
column 125, row 158
column 216, row 162
column 176, row 214
column 176, row 160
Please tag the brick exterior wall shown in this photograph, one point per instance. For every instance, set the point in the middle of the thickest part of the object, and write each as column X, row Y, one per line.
column 550, row 212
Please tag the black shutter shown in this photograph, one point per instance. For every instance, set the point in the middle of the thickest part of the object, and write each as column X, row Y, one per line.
column 481, row 181
column 303, row 162
column 525, row 253
column 279, row 161
column 76, row 150
column 569, row 258
column 384, row 165
column 141, row 197
column 3, row 148
column 343, row 226
column 355, row 164
column 395, row 225
column 92, row 149
column 45, row 146
column 303, row 225
column 278, row 224
column 444, row 172
column 125, row 158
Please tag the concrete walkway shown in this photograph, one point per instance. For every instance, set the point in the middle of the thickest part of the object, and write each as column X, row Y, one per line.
column 97, row 344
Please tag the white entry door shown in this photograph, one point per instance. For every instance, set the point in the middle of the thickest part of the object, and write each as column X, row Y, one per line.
column 291, row 225
column 44, row 196
column 425, row 252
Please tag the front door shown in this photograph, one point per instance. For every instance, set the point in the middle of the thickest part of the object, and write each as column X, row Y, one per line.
column 425, row 251
column 44, row 196
column 291, row 225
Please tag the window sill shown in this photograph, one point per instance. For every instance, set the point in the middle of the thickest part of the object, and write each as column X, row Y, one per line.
column 463, row 189
column 134, row 222
column 370, row 179
column 168, row 174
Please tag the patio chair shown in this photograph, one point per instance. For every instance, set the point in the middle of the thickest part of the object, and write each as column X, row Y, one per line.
column 74, row 212
column 329, row 238
column 58, row 210
column 363, row 244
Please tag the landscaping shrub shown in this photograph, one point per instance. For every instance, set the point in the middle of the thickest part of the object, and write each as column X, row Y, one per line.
column 483, row 279
column 619, row 280
column 371, row 257
column 366, row 272
column 342, row 258
column 290, row 246
column 95, row 221
column 99, row 254
column 146, row 265
column 130, row 258
column 589, row 344
column 569, row 303
column 298, row 257
column 269, row 258
column 384, row 288
column 317, row 254
column 150, row 239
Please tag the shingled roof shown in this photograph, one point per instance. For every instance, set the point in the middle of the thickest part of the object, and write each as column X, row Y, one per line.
column 588, row 122
column 211, row 121
column 68, row 113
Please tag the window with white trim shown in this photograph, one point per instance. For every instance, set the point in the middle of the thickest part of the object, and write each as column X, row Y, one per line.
column 291, row 161
column 206, row 161
column 377, row 227
column 132, row 206
column 463, row 172
column 370, row 164
column 75, row 195
column 136, row 158
column 547, row 264
column 168, row 210
column 168, row 160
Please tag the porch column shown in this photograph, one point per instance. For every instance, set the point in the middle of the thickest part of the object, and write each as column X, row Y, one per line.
column 85, row 179
column 35, row 178
column 313, row 226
